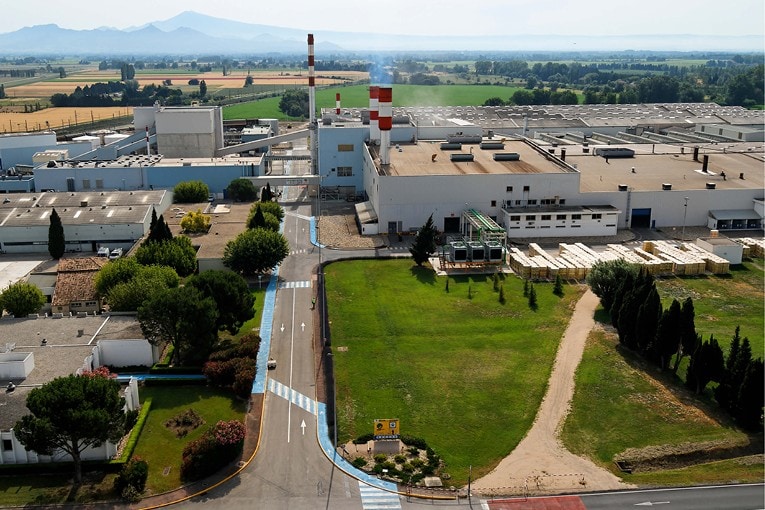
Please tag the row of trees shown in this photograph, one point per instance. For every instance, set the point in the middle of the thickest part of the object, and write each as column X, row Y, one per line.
column 632, row 300
column 261, row 247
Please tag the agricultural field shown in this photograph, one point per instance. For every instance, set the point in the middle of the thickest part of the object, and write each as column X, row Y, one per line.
column 53, row 118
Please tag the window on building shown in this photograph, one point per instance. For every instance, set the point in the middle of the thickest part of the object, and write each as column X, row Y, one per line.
column 86, row 184
column 518, row 202
column 7, row 445
column 509, row 189
column 562, row 201
column 546, row 217
column 75, row 305
column 99, row 184
column 515, row 218
column 527, row 188
column 494, row 203
column 576, row 226
column 531, row 217
column 533, row 201
column 597, row 216
column 345, row 147
column 345, row 171
column 576, row 216
column 560, row 217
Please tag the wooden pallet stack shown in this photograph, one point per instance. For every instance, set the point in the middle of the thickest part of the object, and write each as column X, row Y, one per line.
column 683, row 261
column 753, row 247
column 714, row 263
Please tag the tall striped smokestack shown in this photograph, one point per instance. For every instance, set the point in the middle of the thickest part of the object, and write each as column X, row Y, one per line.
column 337, row 103
column 312, row 125
column 374, row 126
column 386, row 123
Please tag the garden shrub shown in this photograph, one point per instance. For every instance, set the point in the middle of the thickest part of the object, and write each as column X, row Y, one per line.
column 364, row 439
column 218, row 446
column 131, row 481
column 400, row 459
column 380, row 458
column 359, row 462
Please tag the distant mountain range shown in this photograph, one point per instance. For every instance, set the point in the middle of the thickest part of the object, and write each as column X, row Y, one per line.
column 191, row 33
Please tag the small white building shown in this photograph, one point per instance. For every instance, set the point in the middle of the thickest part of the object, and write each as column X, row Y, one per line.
column 723, row 247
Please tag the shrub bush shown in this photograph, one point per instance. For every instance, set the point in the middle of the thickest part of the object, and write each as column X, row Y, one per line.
column 359, row 462
column 400, row 459
column 190, row 192
column 380, row 458
column 218, row 446
column 131, row 481
column 364, row 439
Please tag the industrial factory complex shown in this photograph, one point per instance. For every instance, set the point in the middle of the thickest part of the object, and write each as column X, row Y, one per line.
column 526, row 172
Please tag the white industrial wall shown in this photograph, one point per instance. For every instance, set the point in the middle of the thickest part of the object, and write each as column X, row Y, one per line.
column 104, row 234
column 19, row 141
column 125, row 178
column 123, row 353
column 189, row 132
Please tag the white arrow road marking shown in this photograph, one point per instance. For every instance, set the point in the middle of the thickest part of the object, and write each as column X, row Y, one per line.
column 282, row 328
column 302, row 426
column 652, row 503
column 302, row 326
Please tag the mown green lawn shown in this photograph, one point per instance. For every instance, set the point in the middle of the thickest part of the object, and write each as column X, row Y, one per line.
column 160, row 447
column 724, row 302
column 618, row 405
column 467, row 375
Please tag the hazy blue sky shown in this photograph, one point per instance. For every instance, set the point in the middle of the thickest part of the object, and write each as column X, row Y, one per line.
column 426, row 17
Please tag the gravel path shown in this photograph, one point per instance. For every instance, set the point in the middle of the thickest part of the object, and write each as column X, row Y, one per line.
column 540, row 463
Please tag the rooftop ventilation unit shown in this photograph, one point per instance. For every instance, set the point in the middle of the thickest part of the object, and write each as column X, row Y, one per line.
column 477, row 251
column 492, row 145
column 623, row 187
column 666, row 186
column 446, row 146
column 711, row 185
column 461, row 157
column 457, row 251
column 507, row 156
column 494, row 251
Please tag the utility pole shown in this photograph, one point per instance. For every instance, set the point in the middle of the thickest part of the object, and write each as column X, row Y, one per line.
column 685, row 215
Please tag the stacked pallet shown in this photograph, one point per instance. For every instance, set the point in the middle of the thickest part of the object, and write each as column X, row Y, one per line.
column 684, row 262
column 714, row 263
column 521, row 264
column 580, row 257
column 753, row 247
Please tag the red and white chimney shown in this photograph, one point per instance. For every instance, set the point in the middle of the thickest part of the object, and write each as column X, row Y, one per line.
column 374, row 127
column 337, row 103
column 386, row 123
column 313, row 127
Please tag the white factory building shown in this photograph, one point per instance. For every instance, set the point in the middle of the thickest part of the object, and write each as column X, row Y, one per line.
column 545, row 171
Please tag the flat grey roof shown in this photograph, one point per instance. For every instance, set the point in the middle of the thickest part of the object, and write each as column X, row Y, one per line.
column 563, row 209
column 227, row 221
column 64, row 353
column 735, row 214
column 40, row 216
column 61, row 199
column 416, row 159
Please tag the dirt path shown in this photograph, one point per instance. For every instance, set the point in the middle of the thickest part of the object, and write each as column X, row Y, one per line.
column 540, row 463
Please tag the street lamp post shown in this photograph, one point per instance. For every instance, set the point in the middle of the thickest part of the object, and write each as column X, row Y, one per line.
column 685, row 215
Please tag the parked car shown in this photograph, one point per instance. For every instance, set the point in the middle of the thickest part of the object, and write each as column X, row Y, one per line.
column 271, row 363
column 115, row 254
column 103, row 252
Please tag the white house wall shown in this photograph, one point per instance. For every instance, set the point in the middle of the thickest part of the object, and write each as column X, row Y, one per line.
column 123, row 353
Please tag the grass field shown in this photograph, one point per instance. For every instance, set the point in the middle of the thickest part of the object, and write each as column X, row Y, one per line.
column 357, row 96
column 467, row 375
column 160, row 447
column 620, row 402
column 724, row 302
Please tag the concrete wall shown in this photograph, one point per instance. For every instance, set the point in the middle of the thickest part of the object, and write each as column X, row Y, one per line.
column 16, row 364
column 189, row 132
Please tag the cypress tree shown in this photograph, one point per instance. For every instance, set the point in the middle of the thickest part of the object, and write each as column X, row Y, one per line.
column 532, row 297
column 56, row 241
column 558, row 287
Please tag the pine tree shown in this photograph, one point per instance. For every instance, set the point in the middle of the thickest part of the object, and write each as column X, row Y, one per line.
column 558, row 287
column 495, row 280
column 266, row 195
column 525, row 288
column 56, row 241
column 447, row 284
column 532, row 297
column 750, row 397
column 424, row 244
column 502, row 299
column 706, row 365
column 687, row 332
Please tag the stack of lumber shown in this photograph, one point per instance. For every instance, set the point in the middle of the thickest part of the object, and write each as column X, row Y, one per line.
column 715, row 264
column 683, row 261
column 753, row 247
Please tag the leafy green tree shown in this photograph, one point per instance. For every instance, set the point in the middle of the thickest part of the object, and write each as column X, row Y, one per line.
column 22, row 298
column 269, row 207
column 195, row 222
column 56, row 241
column 257, row 220
column 494, row 101
column 706, row 365
column 72, row 414
column 190, row 192
column 182, row 317
column 232, row 297
column 294, row 103
column 604, row 279
column 750, row 397
column 177, row 253
column 2, row 91
column 242, row 190
column 118, row 271
column 248, row 81
column 202, row 88
column 424, row 243
column 130, row 295
column 255, row 251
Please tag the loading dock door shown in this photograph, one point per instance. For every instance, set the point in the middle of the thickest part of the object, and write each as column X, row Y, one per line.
column 641, row 218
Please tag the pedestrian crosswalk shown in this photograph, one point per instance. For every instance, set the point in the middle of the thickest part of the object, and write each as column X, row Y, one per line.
column 373, row 498
column 293, row 396
column 298, row 252
column 295, row 285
